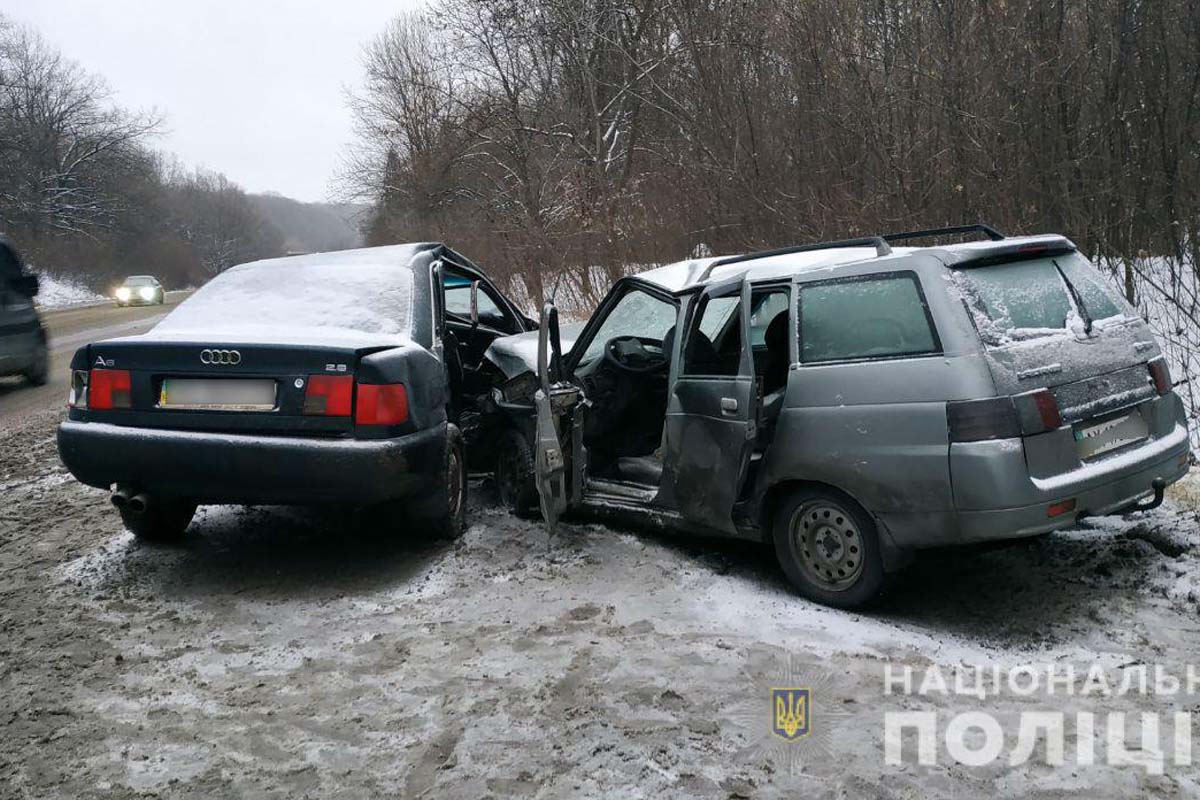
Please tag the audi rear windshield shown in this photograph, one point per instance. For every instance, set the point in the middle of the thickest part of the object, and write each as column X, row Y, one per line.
column 1027, row 299
column 301, row 293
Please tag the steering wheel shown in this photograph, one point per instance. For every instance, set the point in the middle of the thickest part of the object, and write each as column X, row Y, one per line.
column 638, row 354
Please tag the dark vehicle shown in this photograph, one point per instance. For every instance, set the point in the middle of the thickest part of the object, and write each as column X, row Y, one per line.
column 330, row 378
column 24, row 348
column 850, row 403
column 139, row 290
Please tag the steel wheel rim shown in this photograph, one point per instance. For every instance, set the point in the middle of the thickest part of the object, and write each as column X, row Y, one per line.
column 454, row 483
column 827, row 545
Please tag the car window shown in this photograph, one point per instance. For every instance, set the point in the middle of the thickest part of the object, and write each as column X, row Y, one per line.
column 1025, row 296
column 875, row 317
column 1097, row 297
column 716, row 314
column 637, row 313
column 139, row 280
column 767, row 306
column 458, row 302
column 702, row 354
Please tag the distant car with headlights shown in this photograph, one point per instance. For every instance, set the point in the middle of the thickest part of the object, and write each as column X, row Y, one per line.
column 328, row 379
column 139, row 290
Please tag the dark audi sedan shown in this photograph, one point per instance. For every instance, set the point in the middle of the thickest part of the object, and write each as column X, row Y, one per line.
column 334, row 378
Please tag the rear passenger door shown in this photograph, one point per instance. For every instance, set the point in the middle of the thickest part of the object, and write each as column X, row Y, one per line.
column 867, row 409
column 712, row 411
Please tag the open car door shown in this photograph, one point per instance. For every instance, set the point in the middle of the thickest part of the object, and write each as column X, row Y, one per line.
column 712, row 412
column 550, row 469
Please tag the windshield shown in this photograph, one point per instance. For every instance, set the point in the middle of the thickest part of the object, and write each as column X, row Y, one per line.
column 360, row 297
column 1026, row 299
column 635, row 314
column 139, row 280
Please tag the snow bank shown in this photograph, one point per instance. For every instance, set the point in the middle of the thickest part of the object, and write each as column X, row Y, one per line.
column 1167, row 295
column 58, row 292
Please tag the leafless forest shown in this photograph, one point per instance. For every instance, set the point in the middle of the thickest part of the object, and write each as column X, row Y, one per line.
column 572, row 139
column 554, row 134
column 553, row 137
column 83, row 191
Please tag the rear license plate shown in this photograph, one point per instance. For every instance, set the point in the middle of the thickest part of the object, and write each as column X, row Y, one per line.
column 1100, row 437
column 228, row 394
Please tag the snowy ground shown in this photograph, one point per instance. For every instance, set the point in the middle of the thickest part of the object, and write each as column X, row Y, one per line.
column 56, row 292
column 285, row 654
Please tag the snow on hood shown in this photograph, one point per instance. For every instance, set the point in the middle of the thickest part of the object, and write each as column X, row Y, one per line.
column 349, row 295
column 517, row 354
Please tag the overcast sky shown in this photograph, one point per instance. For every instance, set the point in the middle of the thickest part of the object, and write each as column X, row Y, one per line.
column 251, row 88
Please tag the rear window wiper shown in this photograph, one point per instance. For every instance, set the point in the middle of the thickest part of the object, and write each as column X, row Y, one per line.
column 1077, row 297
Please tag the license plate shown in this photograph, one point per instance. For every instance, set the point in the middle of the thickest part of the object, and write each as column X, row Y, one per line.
column 230, row 394
column 1098, row 438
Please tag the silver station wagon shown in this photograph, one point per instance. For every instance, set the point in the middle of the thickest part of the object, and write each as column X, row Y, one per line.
column 849, row 402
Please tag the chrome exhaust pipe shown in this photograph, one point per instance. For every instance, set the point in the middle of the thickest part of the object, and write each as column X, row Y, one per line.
column 121, row 496
column 139, row 503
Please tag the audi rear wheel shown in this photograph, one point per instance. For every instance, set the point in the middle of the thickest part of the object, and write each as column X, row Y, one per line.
column 448, row 518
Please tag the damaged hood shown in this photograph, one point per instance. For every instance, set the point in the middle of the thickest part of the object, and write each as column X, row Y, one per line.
column 517, row 354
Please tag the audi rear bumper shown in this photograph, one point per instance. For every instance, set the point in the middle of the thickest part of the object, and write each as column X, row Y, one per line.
column 213, row 468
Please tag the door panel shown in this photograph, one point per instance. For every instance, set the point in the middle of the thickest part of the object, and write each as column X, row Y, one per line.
column 712, row 418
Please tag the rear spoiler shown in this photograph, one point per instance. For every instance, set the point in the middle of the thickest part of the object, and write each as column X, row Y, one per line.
column 984, row 254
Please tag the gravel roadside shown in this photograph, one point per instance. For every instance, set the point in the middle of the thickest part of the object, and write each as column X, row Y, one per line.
column 277, row 653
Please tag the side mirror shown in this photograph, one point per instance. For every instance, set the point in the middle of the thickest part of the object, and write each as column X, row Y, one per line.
column 27, row 284
column 474, row 304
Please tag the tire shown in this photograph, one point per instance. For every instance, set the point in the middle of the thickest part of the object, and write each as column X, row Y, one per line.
column 847, row 570
column 165, row 520
column 448, row 516
column 38, row 372
column 515, row 483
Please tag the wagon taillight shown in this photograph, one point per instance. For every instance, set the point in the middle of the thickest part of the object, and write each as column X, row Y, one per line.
column 1160, row 373
column 981, row 420
column 1026, row 414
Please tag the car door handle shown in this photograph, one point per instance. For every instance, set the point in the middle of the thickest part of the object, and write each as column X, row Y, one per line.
column 729, row 405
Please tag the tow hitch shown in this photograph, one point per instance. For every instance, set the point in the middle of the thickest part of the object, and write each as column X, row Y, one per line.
column 1159, row 485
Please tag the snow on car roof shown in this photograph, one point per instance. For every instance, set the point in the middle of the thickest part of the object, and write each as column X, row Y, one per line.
column 684, row 274
column 364, row 291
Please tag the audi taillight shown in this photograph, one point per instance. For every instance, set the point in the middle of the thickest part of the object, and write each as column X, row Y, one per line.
column 329, row 395
column 980, row 420
column 109, row 389
column 1161, row 374
column 381, row 404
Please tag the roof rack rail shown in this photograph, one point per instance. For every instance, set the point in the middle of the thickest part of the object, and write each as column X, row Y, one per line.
column 979, row 227
column 881, row 249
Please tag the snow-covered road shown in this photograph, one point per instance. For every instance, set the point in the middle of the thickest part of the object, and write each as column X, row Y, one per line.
column 283, row 654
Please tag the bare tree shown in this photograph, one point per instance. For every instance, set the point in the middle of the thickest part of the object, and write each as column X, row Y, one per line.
column 60, row 141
